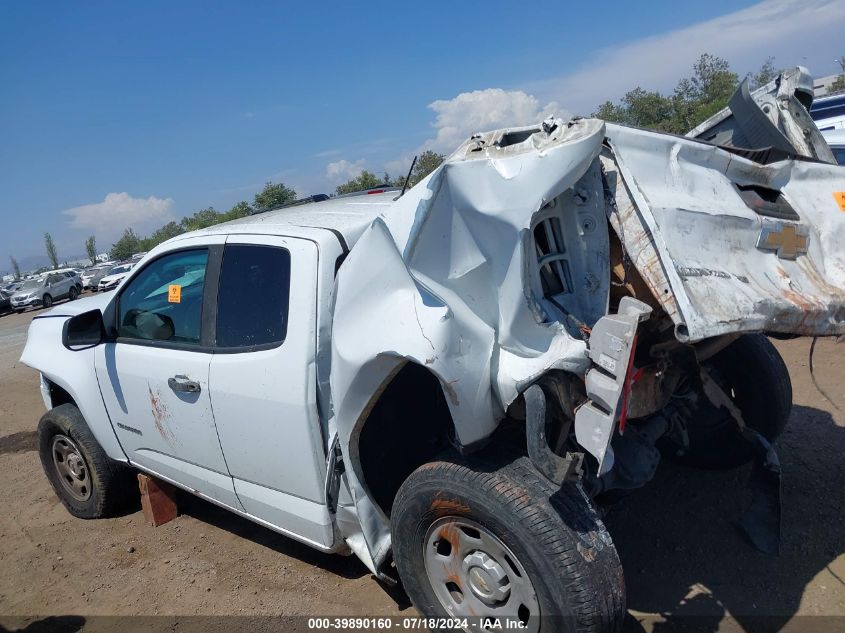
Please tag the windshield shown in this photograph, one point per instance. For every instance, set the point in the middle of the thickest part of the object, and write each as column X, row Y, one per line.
column 32, row 284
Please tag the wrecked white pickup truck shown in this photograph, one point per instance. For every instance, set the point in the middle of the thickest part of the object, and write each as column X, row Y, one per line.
column 443, row 382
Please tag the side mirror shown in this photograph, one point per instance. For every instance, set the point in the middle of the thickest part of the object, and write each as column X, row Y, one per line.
column 83, row 331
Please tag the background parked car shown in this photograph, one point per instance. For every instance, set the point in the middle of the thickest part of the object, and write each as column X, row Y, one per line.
column 114, row 277
column 91, row 277
column 47, row 289
column 94, row 283
column 5, row 302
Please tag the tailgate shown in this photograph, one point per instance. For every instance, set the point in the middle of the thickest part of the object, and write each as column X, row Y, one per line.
column 727, row 244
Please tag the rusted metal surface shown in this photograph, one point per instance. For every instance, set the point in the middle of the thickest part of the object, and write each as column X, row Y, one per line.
column 694, row 239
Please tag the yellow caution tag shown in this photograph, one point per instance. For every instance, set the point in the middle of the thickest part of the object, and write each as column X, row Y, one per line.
column 839, row 196
column 174, row 293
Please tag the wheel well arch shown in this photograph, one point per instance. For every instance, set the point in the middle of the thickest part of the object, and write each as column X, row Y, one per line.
column 408, row 425
column 58, row 395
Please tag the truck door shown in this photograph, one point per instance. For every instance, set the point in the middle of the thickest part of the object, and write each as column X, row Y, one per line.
column 154, row 376
column 263, row 383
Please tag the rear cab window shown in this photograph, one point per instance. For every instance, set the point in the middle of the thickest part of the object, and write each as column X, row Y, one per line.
column 253, row 297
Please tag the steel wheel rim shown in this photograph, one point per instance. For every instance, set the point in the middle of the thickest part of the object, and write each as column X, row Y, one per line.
column 475, row 575
column 71, row 467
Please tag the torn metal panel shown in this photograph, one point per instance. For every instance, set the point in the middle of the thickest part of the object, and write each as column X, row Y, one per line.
column 443, row 279
column 440, row 279
column 775, row 116
column 492, row 271
column 717, row 263
column 612, row 345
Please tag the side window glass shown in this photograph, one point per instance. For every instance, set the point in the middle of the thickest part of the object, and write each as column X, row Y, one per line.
column 252, row 301
column 164, row 301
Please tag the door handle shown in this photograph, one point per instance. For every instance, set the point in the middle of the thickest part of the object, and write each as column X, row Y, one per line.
column 183, row 384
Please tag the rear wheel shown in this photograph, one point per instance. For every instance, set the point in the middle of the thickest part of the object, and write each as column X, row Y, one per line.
column 753, row 374
column 88, row 483
column 47, row 301
column 73, row 294
column 494, row 539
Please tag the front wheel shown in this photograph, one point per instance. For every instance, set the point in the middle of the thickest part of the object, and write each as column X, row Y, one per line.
column 494, row 541
column 87, row 482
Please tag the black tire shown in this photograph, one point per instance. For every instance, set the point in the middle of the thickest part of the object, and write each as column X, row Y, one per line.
column 46, row 301
column 20, row 310
column 554, row 533
column 753, row 371
column 73, row 293
column 110, row 485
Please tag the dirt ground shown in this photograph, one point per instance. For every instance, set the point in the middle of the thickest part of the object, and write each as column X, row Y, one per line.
column 682, row 553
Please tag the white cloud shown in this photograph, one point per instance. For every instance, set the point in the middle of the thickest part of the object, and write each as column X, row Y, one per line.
column 787, row 29
column 779, row 28
column 481, row 110
column 342, row 170
column 118, row 211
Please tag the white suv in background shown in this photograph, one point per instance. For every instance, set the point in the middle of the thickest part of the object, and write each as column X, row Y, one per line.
column 47, row 289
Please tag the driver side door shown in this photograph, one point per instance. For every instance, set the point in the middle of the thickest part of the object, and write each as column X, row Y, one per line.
column 154, row 372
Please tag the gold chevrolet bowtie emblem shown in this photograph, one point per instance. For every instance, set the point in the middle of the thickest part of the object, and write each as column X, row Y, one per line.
column 787, row 240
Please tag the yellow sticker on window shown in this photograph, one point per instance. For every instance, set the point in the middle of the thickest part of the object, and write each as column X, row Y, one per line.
column 174, row 293
column 839, row 196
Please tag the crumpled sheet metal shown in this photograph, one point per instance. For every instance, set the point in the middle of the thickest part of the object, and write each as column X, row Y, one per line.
column 694, row 239
column 440, row 280
column 774, row 115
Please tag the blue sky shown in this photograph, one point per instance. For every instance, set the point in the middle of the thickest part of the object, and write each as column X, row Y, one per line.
column 131, row 114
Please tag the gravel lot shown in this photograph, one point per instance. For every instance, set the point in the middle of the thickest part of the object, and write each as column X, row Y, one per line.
column 682, row 553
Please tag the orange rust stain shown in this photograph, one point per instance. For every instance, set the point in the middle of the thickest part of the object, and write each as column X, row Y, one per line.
column 587, row 553
column 800, row 300
column 452, row 576
column 448, row 506
column 160, row 414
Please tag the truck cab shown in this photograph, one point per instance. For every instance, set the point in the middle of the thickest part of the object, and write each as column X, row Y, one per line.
column 208, row 376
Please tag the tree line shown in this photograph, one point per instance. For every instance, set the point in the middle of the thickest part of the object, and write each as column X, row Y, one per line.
column 273, row 195
column 694, row 99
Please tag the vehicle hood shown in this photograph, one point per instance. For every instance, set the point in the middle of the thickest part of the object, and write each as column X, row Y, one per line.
column 20, row 294
column 72, row 308
column 111, row 278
